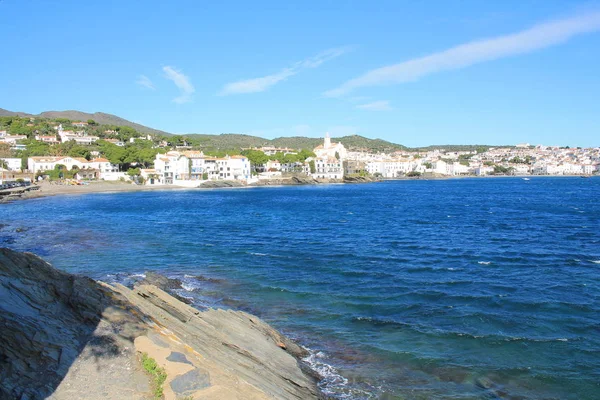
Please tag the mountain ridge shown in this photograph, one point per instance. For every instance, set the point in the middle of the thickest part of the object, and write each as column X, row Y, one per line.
column 230, row 141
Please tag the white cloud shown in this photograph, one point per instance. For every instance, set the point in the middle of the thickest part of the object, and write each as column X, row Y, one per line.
column 261, row 84
column 537, row 37
column 182, row 82
column 381, row 105
column 144, row 81
column 257, row 84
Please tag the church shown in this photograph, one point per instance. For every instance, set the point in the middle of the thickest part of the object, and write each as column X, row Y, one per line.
column 329, row 160
column 329, row 149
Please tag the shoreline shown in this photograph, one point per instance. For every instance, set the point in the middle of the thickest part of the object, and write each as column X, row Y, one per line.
column 47, row 189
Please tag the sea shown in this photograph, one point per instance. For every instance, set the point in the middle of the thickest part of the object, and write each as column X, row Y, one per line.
column 415, row 289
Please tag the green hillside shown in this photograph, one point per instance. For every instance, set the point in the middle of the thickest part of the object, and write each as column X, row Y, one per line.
column 99, row 117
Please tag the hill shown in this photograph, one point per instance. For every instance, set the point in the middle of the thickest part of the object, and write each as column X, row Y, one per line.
column 480, row 148
column 99, row 117
column 229, row 141
column 6, row 113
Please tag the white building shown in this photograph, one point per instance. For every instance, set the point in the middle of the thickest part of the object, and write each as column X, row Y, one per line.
column 202, row 166
column 234, row 168
column 273, row 165
column 330, row 149
column 13, row 164
column 328, row 168
column 44, row 163
column 171, row 167
column 12, row 139
column 329, row 160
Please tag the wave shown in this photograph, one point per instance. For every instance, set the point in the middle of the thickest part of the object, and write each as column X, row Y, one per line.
column 484, row 262
column 595, row 261
column 331, row 382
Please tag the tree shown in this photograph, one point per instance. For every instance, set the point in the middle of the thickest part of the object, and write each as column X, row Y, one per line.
column 498, row 169
column 304, row 154
column 256, row 157
column 5, row 150
column 337, row 155
column 313, row 168
column 133, row 172
column 91, row 122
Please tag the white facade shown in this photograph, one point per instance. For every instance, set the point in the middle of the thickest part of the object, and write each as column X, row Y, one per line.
column 12, row 139
column 329, row 149
column 171, row 166
column 328, row 168
column 234, row 168
column 273, row 165
column 201, row 164
column 13, row 164
column 37, row 164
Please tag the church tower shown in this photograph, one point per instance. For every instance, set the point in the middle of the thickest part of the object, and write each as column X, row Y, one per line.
column 327, row 143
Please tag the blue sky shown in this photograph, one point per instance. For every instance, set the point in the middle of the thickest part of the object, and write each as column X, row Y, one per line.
column 415, row 73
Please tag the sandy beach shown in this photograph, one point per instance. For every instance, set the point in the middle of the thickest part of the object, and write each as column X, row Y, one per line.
column 48, row 189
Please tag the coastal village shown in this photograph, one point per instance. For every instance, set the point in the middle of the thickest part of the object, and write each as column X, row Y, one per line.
column 61, row 149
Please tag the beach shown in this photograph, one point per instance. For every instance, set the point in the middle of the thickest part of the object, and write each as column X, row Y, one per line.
column 46, row 189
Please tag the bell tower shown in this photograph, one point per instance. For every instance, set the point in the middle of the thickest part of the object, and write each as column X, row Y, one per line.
column 327, row 143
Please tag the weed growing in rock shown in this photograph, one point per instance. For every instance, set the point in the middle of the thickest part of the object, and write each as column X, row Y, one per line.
column 157, row 373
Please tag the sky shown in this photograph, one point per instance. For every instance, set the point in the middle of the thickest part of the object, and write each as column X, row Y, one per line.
column 413, row 73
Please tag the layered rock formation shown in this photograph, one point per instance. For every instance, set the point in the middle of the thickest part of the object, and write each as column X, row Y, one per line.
column 68, row 337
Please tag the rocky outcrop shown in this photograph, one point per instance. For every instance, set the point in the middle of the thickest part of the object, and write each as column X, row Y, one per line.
column 221, row 184
column 359, row 179
column 66, row 336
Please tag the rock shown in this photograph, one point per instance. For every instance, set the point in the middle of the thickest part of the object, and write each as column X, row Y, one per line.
column 221, row 184
column 359, row 179
column 68, row 336
column 47, row 317
column 234, row 340
column 190, row 382
column 164, row 283
column 160, row 281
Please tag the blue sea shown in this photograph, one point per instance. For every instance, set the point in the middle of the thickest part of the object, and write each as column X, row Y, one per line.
column 418, row 289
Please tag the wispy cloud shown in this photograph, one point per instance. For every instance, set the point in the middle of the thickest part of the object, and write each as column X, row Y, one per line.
column 537, row 37
column 261, row 84
column 382, row 105
column 144, row 81
column 182, row 82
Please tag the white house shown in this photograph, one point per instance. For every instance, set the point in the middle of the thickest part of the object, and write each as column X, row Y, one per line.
column 234, row 168
column 13, row 164
column 273, row 165
column 12, row 139
column 328, row 168
column 171, row 166
column 202, row 166
column 104, row 168
column 51, row 139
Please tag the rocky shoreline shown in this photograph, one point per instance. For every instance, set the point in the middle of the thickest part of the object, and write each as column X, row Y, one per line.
column 67, row 336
